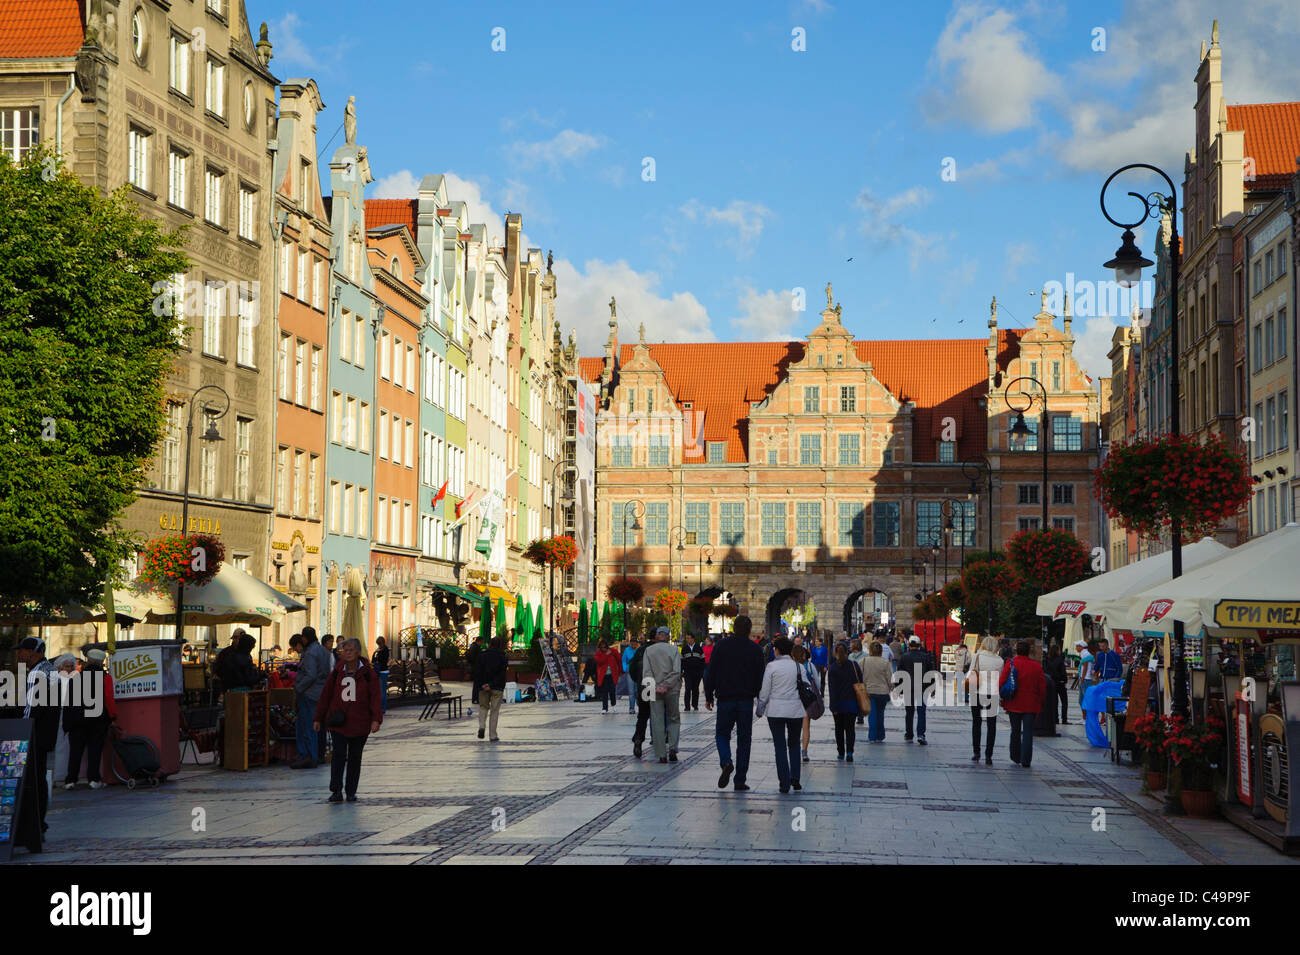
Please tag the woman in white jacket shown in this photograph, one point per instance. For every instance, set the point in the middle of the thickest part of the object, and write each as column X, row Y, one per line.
column 779, row 701
column 982, row 682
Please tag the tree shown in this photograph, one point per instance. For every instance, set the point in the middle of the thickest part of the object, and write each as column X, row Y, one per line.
column 84, row 355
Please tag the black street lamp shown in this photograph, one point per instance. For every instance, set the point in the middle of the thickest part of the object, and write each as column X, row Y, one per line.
column 705, row 563
column 209, row 434
column 678, row 534
column 1128, row 264
column 1020, row 432
column 970, row 469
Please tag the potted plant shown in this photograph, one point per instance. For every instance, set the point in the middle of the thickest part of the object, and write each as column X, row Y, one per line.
column 1152, row 734
column 1195, row 749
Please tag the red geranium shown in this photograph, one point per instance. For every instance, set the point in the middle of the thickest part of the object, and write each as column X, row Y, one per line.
column 176, row 558
column 557, row 551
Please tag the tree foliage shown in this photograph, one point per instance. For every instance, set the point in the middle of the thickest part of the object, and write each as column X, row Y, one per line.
column 83, row 361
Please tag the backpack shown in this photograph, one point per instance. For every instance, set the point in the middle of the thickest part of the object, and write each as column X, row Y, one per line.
column 1007, row 689
column 635, row 665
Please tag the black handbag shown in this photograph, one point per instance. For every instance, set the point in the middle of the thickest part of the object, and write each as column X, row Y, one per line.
column 810, row 698
column 336, row 718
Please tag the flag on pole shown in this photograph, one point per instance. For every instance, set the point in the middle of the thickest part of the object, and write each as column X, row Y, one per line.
column 442, row 492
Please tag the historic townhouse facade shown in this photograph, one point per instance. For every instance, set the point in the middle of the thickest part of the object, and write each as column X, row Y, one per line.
column 394, row 548
column 825, row 469
column 1119, row 425
column 305, row 247
column 177, row 101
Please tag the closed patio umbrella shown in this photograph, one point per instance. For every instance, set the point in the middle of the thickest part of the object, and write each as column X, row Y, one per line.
column 523, row 621
column 501, row 617
column 538, row 628
column 584, row 621
column 354, row 617
column 485, row 619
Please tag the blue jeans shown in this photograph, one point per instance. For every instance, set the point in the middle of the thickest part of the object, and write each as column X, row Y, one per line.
column 383, row 691
column 920, row 721
column 1022, row 737
column 786, row 732
column 737, row 714
column 306, row 736
column 876, row 720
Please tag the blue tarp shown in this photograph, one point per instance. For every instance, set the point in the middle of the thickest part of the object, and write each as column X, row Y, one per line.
column 1094, row 706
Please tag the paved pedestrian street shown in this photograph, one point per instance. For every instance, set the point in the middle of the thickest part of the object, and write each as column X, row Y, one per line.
column 562, row 787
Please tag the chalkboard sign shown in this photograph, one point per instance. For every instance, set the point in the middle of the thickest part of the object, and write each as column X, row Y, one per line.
column 15, row 745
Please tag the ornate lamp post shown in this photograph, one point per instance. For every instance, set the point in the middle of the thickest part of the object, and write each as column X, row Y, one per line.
column 678, row 534
column 209, row 434
column 703, row 562
column 1020, row 432
column 565, row 462
column 971, row 469
column 1128, row 264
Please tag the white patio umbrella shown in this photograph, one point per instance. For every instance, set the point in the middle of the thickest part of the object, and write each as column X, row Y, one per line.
column 1109, row 594
column 1253, row 587
column 354, row 617
column 232, row 596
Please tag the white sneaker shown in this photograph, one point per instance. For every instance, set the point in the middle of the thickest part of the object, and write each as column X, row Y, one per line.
column 97, row 785
column 69, row 786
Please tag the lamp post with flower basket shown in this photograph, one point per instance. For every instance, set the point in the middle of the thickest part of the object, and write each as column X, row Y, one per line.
column 552, row 552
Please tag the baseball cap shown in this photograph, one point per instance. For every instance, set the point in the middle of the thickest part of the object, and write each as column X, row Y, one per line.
column 96, row 656
column 32, row 643
column 914, row 640
column 663, row 632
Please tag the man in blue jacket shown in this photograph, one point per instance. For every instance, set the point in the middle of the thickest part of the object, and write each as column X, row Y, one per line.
column 1109, row 665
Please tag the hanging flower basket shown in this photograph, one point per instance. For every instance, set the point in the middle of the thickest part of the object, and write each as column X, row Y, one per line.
column 1050, row 559
column 724, row 610
column 1148, row 484
column 186, row 560
column 552, row 551
column 671, row 602
column 994, row 577
column 954, row 593
column 625, row 589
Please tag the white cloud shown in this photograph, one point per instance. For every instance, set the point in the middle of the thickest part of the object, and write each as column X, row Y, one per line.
column 880, row 226
column 1092, row 347
column 400, row 185
column 745, row 217
column 583, row 296
column 769, row 316
column 567, row 145
column 987, row 75
column 288, row 47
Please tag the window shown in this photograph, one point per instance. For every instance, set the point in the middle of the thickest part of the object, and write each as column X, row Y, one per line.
column 383, row 434
column 773, row 524
column 300, row 373
column 299, row 480
column 283, row 372
column 771, row 458
column 215, row 6
column 397, row 362
column 621, row 516
column 1259, row 423
column 359, row 352
column 659, row 451
column 245, row 350
column 303, row 262
column 208, row 470
column 812, row 400
column 216, row 88
column 318, row 285
column 406, row 525
column 243, row 458
column 850, row 450
column 1270, row 425
column 137, row 157
column 363, row 512
column 929, row 520
column 137, row 34
column 304, row 176
column 350, row 423
column 650, row 400
column 1268, row 341
column 885, row 523
column 1283, row 422
column 631, row 400
column 349, row 501
column 286, row 262
column 345, row 335
column 250, row 105
column 178, row 183
column 810, row 449
column 717, row 452
column 171, row 451
column 1063, row 524
column 282, row 480
column 852, row 524
column 1056, row 376
column 409, row 444
column 1067, row 433
column 1027, row 524
column 385, row 356
column 1258, row 349
column 1259, row 276
column 947, row 452
column 179, row 65
column 697, row 521
column 963, row 522
column 1028, row 494
column 1062, row 493
column 621, row 449
column 1281, row 333
column 1031, row 441
column 1268, row 267
column 410, row 368
column 848, row 398
column 315, row 378
column 731, row 524
column 808, row 524
column 1281, row 258
column 213, row 194
column 214, row 309
column 336, row 500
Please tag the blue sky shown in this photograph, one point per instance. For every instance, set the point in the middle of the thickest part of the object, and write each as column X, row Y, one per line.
column 772, row 167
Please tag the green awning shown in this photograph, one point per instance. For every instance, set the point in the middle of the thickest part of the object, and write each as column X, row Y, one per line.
column 476, row 599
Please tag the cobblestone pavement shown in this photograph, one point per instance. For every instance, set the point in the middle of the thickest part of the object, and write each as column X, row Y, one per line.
column 562, row 787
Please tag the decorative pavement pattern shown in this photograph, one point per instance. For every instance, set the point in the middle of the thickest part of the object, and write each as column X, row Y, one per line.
column 563, row 788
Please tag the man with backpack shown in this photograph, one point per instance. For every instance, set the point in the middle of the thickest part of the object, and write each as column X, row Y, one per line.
column 1023, row 688
column 913, row 666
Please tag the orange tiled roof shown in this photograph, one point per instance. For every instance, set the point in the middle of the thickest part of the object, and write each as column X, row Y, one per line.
column 382, row 212
column 1272, row 140
column 31, row 29
column 945, row 377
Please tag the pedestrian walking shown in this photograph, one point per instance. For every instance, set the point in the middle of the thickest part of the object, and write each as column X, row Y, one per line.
column 349, row 708
column 314, row 666
column 843, row 676
column 803, row 659
column 1025, row 704
column 707, row 649
column 964, row 657
column 629, row 686
column 608, row 668
column 734, row 676
column 45, row 736
column 489, row 677
column 858, row 654
column 891, row 653
column 878, row 681
column 1083, row 679
column 778, row 700
column 692, row 672
column 327, row 642
column 379, row 660
column 642, row 695
column 915, row 664
column 86, row 729
column 662, row 664
column 820, row 659
column 1055, row 668
column 982, row 685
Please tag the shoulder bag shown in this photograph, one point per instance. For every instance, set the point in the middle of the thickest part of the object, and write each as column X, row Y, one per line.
column 810, row 698
column 860, row 688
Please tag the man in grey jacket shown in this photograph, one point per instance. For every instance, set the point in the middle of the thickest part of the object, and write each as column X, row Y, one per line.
column 314, row 667
column 661, row 678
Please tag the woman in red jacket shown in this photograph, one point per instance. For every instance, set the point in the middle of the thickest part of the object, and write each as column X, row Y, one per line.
column 350, row 708
column 1027, row 702
column 609, row 666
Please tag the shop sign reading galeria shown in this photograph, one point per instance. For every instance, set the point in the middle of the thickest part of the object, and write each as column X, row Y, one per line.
column 198, row 525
